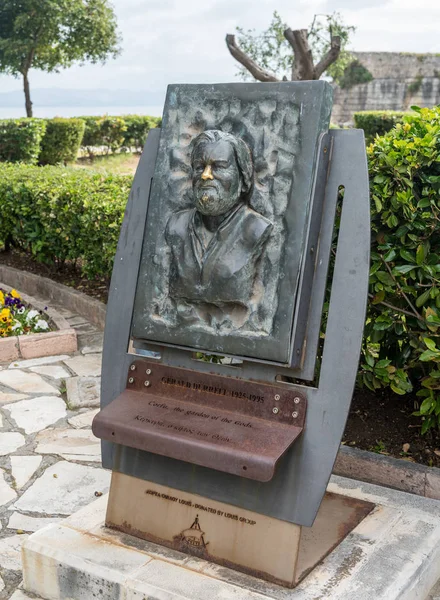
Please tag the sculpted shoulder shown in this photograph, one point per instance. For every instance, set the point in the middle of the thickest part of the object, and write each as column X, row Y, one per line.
column 256, row 228
column 178, row 224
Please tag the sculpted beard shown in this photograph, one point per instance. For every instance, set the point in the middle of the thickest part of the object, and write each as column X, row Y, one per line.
column 208, row 200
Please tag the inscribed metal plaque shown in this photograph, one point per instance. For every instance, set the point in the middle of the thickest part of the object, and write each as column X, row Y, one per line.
column 227, row 217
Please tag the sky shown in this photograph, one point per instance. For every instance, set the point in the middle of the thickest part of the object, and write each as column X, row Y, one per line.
column 182, row 41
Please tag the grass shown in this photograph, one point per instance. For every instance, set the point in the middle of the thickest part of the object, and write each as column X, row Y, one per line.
column 123, row 163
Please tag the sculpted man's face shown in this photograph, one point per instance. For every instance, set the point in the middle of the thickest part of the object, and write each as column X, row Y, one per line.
column 216, row 178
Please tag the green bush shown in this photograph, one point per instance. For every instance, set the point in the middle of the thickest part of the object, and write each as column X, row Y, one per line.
column 377, row 122
column 402, row 336
column 20, row 139
column 61, row 214
column 61, row 141
column 112, row 131
column 115, row 133
column 354, row 74
column 137, row 130
column 106, row 131
column 92, row 136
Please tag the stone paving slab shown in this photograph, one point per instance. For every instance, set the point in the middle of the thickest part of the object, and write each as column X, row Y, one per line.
column 29, row 383
column 39, row 430
column 54, row 371
column 23, row 467
column 21, row 522
column 83, row 392
column 10, row 441
column 85, row 365
column 38, row 413
column 63, row 488
column 10, row 552
column 8, row 397
column 35, row 362
column 84, row 419
column 77, row 442
column 6, row 492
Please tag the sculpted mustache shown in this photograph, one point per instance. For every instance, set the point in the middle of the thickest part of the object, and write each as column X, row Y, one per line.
column 202, row 185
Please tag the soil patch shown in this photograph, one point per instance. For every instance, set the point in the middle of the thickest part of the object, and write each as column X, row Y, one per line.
column 66, row 274
column 381, row 422
column 384, row 423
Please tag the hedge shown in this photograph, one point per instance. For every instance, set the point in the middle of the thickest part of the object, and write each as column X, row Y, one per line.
column 20, row 139
column 53, row 141
column 62, row 141
column 137, row 130
column 62, row 214
column 115, row 133
column 402, row 336
column 377, row 122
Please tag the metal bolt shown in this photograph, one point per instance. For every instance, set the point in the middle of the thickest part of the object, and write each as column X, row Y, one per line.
column 132, row 367
column 277, row 397
column 325, row 150
column 147, row 384
column 297, row 400
column 130, row 379
column 148, row 371
column 294, row 414
column 275, row 410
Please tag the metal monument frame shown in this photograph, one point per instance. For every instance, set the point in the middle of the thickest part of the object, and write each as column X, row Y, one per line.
column 295, row 492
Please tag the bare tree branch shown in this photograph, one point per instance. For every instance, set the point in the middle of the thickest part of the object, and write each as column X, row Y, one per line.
column 247, row 62
column 330, row 57
column 302, row 68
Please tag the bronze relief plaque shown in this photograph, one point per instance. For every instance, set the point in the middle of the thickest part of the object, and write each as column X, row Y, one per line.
column 227, row 217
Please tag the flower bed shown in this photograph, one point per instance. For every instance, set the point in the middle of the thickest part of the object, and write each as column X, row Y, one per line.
column 30, row 330
column 18, row 318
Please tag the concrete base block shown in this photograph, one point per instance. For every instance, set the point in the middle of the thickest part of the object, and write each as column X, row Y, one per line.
column 393, row 554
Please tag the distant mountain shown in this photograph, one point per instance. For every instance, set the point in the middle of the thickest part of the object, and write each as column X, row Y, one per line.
column 64, row 97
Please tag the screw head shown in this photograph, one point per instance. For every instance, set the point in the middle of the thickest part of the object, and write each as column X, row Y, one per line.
column 130, row 379
column 294, row 414
column 132, row 367
column 277, row 397
column 275, row 410
column 297, row 400
column 148, row 371
column 147, row 383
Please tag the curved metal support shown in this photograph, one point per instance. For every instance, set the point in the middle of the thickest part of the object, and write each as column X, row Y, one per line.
column 115, row 357
column 296, row 491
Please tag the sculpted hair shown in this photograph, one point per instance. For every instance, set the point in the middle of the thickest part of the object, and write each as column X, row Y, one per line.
column 243, row 155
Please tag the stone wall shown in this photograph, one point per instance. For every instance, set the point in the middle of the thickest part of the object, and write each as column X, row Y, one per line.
column 400, row 81
column 402, row 65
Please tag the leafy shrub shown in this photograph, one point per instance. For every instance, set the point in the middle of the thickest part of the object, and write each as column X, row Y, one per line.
column 354, row 74
column 402, row 334
column 377, row 122
column 116, row 133
column 137, row 130
column 60, row 214
column 92, row 135
column 61, row 141
column 20, row 139
column 112, row 131
column 103, row 131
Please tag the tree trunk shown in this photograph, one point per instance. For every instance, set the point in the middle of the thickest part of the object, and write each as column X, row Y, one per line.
column 27, row 94
column 255, row 70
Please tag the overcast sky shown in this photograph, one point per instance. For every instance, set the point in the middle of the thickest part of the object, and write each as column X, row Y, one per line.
column 171, row 41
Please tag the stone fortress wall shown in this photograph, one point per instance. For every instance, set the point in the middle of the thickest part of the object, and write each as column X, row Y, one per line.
column 400, row 80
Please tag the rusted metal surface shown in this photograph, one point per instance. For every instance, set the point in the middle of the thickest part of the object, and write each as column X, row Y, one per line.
column 337, row 517
column 235, row 426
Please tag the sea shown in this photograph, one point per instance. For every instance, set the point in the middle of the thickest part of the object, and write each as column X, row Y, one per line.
column 48, row 112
